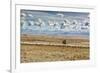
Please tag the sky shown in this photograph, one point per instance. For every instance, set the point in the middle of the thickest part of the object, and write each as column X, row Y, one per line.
column 54, row 21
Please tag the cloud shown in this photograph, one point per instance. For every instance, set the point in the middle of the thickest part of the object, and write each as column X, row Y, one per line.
column 60, row 14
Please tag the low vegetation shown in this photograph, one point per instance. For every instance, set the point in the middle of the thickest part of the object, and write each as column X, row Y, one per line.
column 43, row 53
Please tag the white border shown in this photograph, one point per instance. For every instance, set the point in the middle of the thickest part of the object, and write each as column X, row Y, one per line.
column 17, row 67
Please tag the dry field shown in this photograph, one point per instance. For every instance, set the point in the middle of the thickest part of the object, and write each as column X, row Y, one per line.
column 43, row 53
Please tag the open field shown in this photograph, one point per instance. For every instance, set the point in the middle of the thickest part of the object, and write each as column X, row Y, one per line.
column 40, row 52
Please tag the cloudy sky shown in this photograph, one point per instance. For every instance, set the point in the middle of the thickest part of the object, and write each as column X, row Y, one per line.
column 32, row 18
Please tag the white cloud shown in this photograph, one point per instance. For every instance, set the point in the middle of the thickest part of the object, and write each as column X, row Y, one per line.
column 60, row 14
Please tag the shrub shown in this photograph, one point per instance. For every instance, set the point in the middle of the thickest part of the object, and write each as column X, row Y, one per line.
column 64, row 41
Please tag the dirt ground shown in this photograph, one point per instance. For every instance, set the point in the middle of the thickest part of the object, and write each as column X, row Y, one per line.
column 44, row 53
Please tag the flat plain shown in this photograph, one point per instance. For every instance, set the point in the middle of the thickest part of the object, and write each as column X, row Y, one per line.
column 40, row 48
